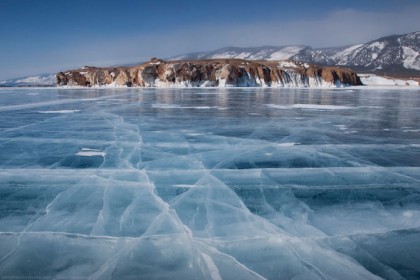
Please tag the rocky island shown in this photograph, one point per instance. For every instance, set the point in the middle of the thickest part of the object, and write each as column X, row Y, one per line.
column 211, row 73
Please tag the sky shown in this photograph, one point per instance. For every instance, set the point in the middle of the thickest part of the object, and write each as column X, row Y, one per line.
column 47, row 36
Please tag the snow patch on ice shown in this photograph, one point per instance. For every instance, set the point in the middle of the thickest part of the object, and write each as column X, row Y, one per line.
column 341, row 126
column 321, row 107
column 290, row 144
column 172, row 106
column 375, row 80
column 59, row 112
column 310, row 107
column 87, row 152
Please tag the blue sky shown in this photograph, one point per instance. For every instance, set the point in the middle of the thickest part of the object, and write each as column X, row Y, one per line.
column 46, row 36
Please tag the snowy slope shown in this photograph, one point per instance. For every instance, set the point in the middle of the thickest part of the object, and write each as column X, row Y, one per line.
column 384, row 53
column 257, row 53
column 392, row 54
column 40, row 80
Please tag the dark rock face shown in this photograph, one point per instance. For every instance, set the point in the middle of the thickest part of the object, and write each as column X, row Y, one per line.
column 211, row 73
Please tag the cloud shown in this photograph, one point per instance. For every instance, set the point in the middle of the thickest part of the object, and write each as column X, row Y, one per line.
column 352, row 26
column 341, row 27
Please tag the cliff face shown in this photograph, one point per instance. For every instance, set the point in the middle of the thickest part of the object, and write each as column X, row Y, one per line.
column 211, row 73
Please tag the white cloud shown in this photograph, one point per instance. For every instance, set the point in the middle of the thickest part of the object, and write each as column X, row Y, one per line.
column 338, row 28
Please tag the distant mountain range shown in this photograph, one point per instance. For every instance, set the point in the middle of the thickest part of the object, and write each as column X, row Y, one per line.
column 396, row 55
column 45, row 80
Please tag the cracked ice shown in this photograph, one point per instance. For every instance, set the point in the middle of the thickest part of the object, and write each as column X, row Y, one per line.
column 210, row 184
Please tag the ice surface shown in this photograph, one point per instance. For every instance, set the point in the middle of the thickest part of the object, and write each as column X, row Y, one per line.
column 374, row 80
column 210, row 184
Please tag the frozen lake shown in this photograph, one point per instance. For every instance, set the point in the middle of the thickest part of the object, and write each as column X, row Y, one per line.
column 210, row 183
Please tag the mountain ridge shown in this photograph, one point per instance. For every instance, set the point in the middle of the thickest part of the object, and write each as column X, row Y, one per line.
column 392, row 55
column 396, row 55
column 41, row 80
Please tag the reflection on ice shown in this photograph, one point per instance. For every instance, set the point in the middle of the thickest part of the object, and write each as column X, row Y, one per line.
column 309, row 107
column 139, row 183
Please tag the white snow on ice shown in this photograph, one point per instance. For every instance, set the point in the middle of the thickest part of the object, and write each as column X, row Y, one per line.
column 59, row 112
column 173, row 106
column 87, row 152
column 310, row 107
column 375, row 80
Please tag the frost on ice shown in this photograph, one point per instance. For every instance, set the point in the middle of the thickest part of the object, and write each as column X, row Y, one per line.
column 158, row 184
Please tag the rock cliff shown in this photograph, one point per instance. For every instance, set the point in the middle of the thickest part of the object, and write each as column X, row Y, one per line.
column 211, row 73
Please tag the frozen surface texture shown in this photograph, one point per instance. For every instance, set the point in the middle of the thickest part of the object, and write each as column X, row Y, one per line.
column 210, row 184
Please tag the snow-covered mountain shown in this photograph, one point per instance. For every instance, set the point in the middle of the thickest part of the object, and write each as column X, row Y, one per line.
column 396, row 54
column 388, row 54
column 31, row 81
column 298, row 53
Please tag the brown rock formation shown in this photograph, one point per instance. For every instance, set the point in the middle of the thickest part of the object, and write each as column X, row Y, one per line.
column 212, row 72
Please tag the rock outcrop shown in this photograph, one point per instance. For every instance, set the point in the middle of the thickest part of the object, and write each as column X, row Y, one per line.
column 211, row 73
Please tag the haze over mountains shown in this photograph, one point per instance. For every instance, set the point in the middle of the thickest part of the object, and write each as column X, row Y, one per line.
column 395, row 55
